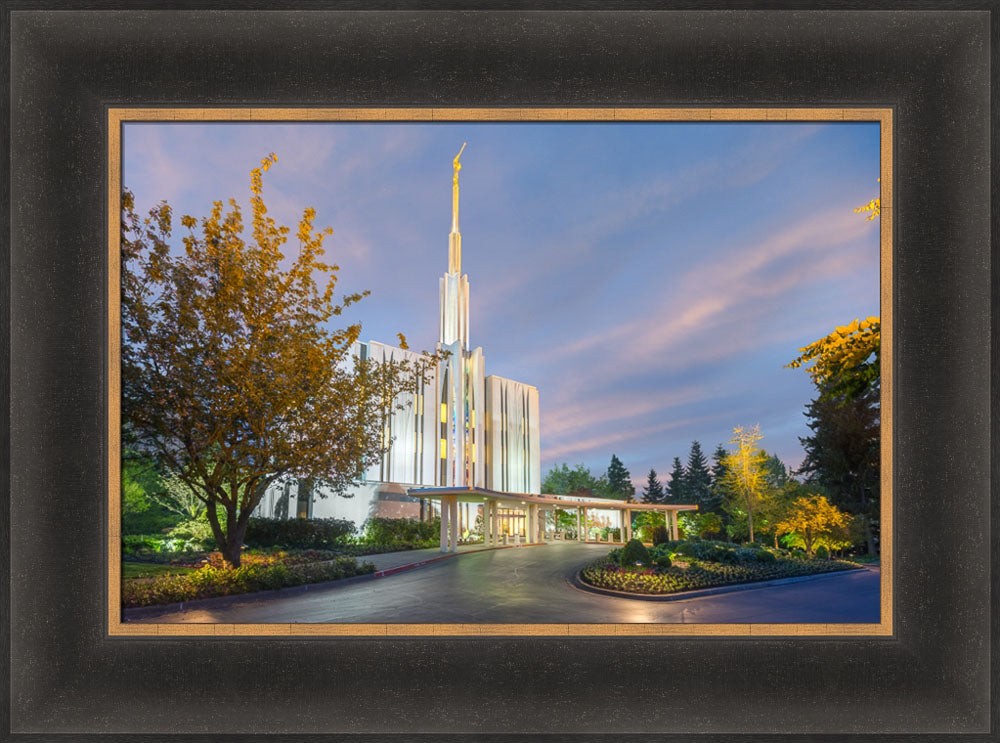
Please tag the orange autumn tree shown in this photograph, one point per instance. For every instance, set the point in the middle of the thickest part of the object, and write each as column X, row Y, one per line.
column 231, row 378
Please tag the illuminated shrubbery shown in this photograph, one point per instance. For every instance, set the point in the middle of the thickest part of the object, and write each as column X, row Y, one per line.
column 718, row 565
column 257, row 573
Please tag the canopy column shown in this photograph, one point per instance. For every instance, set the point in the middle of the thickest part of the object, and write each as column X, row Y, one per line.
column 674, row 532
column 489, row 535
column 453, row 523
column 445, row 512
column 628, row 524
column 579, row 529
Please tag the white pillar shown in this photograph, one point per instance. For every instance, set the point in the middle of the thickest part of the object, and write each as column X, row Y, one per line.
column 579, row 531
column 628, row 524
column 674, row 532
column 586, row 530
column 453, row 522
column 488, row 522
column 444, row 526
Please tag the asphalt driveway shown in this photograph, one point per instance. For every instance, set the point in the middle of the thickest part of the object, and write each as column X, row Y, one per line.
column 533, row 584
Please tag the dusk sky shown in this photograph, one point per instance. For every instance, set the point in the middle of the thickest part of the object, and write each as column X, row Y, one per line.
column 651, row 280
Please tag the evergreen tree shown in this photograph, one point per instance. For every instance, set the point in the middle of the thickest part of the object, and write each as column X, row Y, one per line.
column 677, row 487
column 654, row 491
column 698, row 478
column 843, row 452
column 719, row 488
column 619, row 480
column 775, row 472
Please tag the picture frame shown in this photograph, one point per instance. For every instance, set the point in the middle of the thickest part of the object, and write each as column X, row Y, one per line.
column 68, row 675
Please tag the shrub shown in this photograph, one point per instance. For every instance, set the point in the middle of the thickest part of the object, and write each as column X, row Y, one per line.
column 298, row 533
column 379, row 530
column 822, row 553
column 223, row 581
column 193, row 534
column 634, row 552
column 765, row 556
column 661, row 535
column 604, row 573
column 662, row 561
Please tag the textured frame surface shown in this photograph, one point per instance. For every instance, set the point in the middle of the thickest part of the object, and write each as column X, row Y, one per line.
column 67, row 675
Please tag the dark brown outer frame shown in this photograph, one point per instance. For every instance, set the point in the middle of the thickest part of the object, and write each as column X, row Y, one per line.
column 66, row 675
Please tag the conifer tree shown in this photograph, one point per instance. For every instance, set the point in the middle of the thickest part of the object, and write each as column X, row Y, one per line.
column 698, row 478
column 677, row 487
column 619, row 480
column 718, row 487
column 653, row 492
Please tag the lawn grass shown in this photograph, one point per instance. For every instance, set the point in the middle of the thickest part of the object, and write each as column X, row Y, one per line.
column 151, row 570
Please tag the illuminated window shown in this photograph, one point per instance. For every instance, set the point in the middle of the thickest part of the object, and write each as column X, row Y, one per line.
column 473, row 453
column 444, row 449
column 473, row 418
column 421, row 405
column 444, row 412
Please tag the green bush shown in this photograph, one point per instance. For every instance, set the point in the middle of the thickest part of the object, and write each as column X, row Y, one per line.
column 822, row 553
column 297, row 533
column 634, row 552
column 222, row 581
column 661, row 535
column 766, row 556
column 662, row 561
column 379, row 530
column 194, row 534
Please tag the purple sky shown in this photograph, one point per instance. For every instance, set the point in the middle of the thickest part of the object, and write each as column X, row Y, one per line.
column 649, row 279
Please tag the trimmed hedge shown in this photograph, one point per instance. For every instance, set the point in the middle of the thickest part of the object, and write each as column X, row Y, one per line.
column 298, row 533
column 221, row 581
column 378, row 530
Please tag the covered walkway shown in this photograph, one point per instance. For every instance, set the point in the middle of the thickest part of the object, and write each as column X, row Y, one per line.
column 521, row 518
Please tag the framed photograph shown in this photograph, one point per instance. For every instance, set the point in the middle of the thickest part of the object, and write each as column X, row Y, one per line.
column 251, row 497
column 462, row 454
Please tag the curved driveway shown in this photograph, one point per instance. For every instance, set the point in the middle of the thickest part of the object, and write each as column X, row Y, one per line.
column 532, row 584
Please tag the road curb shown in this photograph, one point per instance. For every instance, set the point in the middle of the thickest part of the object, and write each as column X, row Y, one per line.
column 577, row 582
column 139, row 612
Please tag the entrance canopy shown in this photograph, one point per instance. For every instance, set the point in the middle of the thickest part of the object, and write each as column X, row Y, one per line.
column 534, row 508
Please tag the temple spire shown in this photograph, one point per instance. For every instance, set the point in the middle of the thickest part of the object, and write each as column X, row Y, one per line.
column 455, row 238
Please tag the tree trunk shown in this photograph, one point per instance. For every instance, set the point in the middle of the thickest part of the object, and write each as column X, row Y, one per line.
column 234, row 543
column 750, row 520
column 869, row 536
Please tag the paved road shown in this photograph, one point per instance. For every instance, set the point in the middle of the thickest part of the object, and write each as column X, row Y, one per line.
column 531, row 584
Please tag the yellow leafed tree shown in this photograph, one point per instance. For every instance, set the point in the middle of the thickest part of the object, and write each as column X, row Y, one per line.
column 745, row 473
column 231, row 375
column 847, row 361
column 811, row 518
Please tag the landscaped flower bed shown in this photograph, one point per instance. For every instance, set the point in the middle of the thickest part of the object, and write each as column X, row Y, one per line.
column 257, row 573
column 687, row 573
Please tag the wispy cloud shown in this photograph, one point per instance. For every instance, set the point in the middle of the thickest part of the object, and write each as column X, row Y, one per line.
column 603, row 442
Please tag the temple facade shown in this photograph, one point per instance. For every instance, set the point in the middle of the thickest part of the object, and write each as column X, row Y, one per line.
column 460, row 428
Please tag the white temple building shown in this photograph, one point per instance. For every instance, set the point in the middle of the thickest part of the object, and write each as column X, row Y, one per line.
column 462, row 428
